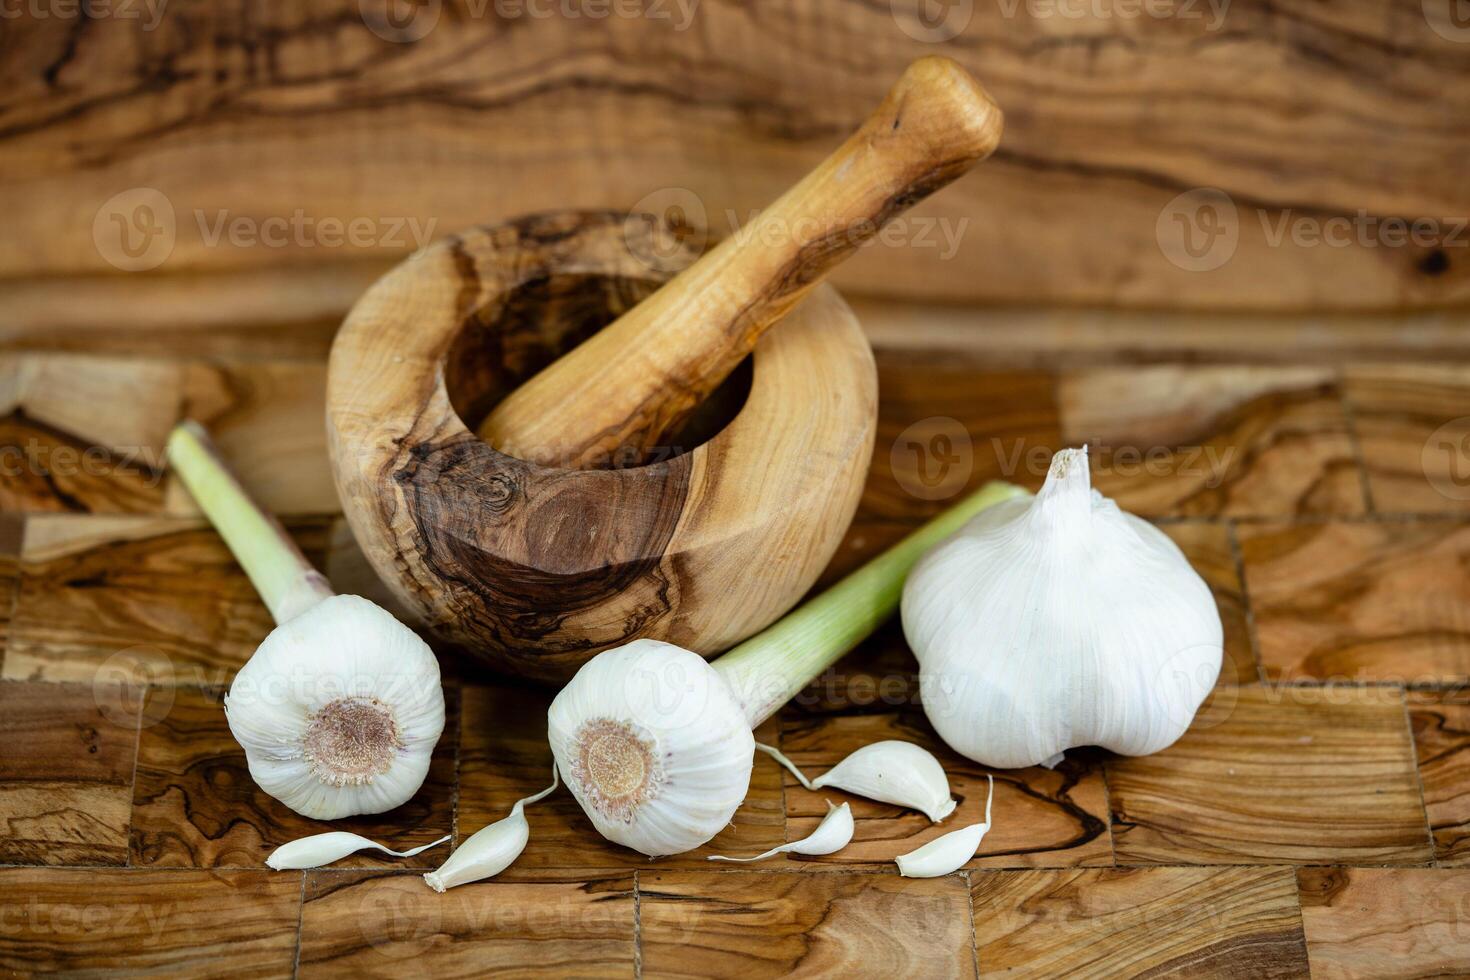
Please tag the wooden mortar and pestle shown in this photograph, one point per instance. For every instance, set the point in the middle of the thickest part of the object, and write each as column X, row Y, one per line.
column 639, row 478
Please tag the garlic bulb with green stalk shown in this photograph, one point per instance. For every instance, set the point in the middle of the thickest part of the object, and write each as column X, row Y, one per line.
column 340, row 707
column 655, row 742
column 1057, row 622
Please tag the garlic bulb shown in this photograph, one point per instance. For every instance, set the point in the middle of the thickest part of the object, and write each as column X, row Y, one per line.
column 832, row 835
column 338, row 710
column 655, row 743
column 890, row 771
column 491, row 849
column 948, row 854
column 320, row 849
column 1058, row 622
column 340, row 707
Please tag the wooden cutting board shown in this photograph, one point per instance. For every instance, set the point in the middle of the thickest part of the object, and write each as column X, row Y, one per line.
column 1315, row 816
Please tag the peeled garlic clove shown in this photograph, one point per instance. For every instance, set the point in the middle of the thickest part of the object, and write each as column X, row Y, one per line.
column 900, row 773
column 491, row 849
column 832, row 834
column 1057, row 622
column 947, row 854
column 320, row 849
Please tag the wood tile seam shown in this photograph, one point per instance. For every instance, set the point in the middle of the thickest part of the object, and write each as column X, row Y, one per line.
column 1419, row 783
column 637, row 928
column 970, row 904
column 300, row 919
column 1238, row 557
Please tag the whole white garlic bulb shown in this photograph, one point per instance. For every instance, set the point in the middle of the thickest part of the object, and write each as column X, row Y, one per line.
column 1060, row 621
column 339, row 710
column 340, row 707
column 654, row 745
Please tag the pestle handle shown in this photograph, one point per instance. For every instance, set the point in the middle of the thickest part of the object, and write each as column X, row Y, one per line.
column 612, row 398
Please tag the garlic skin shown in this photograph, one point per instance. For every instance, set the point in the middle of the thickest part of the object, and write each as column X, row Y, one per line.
column 654, row 746
column 947, row 854
column 320, row 849
column 1057, row 622
column 339, row 710
column 832, row 835
column 489, row 850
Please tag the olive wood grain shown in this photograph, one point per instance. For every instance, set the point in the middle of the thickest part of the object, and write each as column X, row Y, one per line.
column 650, row 369
column 539, row 567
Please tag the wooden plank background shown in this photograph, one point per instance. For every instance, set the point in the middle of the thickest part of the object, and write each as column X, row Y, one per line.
column 1314, row 819
column 1298, row 111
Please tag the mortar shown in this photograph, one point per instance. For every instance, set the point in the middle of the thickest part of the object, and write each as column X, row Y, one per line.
column 542, row 438
column 537, row 567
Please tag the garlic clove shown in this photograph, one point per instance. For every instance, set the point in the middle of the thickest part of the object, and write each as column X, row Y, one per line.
column 339, row 710
column 947, row 854
column 942, row 855
column 491, row 849
column 832, row 835
column 1057, row 622
column 890, row 771
column 321, row 849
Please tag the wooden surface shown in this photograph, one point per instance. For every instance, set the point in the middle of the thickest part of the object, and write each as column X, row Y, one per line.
column 1315, row 818
column 1297, row 111
column 537, row 565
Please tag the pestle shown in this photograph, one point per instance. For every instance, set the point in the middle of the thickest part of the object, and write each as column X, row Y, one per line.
column 616, row 395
